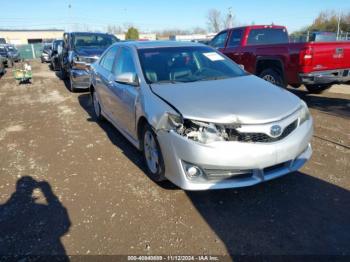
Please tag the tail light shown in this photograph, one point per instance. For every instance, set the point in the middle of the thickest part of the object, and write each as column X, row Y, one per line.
column 306, row 56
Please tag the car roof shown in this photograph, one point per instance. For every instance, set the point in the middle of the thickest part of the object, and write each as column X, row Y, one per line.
column 88, row 33
column 157, row 44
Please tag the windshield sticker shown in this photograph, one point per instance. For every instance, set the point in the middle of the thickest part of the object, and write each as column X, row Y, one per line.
column 214, row 56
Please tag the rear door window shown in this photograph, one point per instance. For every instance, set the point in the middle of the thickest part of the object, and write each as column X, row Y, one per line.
column 235, row 38
column 267, row 36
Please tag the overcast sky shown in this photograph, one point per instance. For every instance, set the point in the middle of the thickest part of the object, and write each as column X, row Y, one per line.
column 151, row 15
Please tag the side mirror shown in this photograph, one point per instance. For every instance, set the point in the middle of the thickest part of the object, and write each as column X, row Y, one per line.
column 241, row 66
column 127, row 79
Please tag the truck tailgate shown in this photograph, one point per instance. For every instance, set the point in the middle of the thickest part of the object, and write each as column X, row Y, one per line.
column 330, row 55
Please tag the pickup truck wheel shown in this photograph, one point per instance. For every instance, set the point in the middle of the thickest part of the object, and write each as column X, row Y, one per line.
column 273, row 77
column 317, row 89
column 152, row 155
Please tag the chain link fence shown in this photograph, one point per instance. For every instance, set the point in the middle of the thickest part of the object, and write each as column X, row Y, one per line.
column 30, row 51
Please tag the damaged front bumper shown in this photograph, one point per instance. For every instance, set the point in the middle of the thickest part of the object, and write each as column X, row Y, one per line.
column 248, row 163
column 80, row 78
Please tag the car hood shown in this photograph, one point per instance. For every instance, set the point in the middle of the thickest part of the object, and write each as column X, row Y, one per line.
column 246, row 99
column 88, row 52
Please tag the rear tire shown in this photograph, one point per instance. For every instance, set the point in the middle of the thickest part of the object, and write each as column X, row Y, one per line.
column 272, row 76
column 317, row 89
column 152, row 155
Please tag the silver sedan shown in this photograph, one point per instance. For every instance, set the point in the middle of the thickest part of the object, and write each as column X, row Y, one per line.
column 199, row 119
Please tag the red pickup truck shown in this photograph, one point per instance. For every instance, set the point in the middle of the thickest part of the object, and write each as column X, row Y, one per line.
column 266, row 52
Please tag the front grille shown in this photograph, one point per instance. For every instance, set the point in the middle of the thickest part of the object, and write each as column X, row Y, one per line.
column 234, row 135
column 218, row 174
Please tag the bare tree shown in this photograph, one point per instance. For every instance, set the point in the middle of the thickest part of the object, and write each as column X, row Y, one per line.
column 113, row 29
column 199, row 30
column 214, row 19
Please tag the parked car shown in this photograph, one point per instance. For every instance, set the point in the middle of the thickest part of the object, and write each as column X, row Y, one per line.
column 13, row 53
column 200, row 120
column 266, row 52
column 56, row 53
column 46, row 54
column 2, row 65
column 80, row 50
column 4, row 53
column 2, row 40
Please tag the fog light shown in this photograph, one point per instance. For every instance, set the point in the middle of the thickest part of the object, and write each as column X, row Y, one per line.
column 192, row 171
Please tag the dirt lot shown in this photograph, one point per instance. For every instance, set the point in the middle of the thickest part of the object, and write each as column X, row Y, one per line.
column 107, row 205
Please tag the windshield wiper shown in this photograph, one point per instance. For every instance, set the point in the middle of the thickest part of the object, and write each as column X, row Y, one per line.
column 212, row 78
column 166, row 82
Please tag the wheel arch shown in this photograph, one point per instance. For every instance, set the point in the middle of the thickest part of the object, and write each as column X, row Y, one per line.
column 141, row 123
column 274, row 63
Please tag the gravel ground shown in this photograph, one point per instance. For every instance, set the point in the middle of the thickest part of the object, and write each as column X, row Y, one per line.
column 98, row 200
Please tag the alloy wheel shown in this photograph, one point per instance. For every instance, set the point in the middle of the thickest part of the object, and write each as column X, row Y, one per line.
column 270, row 79
column 151, row 152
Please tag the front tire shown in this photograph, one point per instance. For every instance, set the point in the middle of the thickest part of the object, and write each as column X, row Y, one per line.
column 63, row 74
column 272, row 76
column 152, row 155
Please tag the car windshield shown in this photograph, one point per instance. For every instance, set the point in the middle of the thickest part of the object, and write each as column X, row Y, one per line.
column 186, row 64
column 93, row 40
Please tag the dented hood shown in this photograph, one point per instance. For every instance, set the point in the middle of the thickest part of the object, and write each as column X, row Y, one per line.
column 246, row 99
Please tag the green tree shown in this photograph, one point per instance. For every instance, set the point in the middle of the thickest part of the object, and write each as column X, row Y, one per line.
column 132, row 34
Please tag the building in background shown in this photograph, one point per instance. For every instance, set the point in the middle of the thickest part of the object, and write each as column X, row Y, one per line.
column 192, row 37
column 142, row 36
column 22, row 37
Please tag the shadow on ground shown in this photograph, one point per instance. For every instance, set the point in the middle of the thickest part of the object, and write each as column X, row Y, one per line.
column 296, row 214
column 118, row 139
column 29, row 228
column 335, row 106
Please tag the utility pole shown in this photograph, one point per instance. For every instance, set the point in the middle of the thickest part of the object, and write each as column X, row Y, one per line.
column 338, row 30
column 229, row 18
column 70, row 22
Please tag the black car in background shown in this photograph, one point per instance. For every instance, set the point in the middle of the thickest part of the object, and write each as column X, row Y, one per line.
column 13, row 53
column 46, row 54
column 5, row 54
column 56, row 52
column 80, row 50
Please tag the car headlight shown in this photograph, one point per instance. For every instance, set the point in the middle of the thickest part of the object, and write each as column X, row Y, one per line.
column 304, row 113
column 196, row 130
